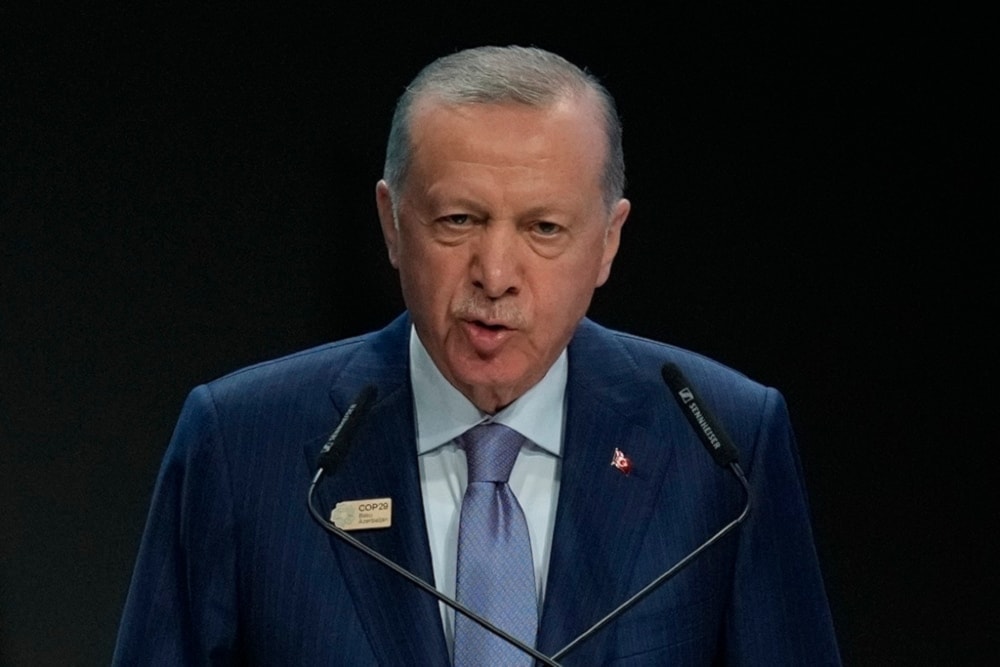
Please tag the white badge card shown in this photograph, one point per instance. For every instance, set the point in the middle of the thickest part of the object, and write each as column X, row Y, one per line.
column 362, row 514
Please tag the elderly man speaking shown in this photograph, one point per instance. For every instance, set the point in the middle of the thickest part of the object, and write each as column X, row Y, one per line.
column 512, row 454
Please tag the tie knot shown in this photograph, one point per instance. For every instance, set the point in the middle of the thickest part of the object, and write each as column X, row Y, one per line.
column 490, row 451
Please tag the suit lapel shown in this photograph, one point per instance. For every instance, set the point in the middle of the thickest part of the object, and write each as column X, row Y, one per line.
column 403, row 623
column 603, row 514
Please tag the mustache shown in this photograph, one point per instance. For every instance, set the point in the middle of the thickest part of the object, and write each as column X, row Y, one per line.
column 498, row 312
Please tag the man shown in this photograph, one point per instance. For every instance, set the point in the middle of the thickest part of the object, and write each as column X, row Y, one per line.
column 502, row 210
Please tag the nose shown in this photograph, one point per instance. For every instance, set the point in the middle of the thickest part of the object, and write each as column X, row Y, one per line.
column 495, row 268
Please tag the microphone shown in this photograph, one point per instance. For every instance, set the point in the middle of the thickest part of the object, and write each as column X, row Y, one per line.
column 330, row 457
column 722, row 449
column 711, row 434
column 339, row 442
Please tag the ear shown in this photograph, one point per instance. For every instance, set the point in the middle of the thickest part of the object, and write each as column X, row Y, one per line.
column 390, row 233
column 612, row 238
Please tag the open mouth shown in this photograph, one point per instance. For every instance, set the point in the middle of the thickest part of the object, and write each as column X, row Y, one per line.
column 491, row 327
column 487, row 338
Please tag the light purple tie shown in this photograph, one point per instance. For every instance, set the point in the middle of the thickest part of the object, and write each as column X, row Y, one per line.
column 496, row 577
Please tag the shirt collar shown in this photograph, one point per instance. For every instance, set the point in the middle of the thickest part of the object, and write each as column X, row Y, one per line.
column 442, row 413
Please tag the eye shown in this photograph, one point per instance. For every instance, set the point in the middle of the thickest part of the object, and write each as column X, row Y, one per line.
column 453, row 228
column 457, row 220
column 543, row 228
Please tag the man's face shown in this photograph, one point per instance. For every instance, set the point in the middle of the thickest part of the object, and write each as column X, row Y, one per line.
column 503, row 236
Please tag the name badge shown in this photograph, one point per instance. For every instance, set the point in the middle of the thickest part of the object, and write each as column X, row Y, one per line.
column 362, row 514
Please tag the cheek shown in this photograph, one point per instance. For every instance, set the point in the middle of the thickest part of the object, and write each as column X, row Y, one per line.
column 429, row 281
column 579, row 277
column 563, row 296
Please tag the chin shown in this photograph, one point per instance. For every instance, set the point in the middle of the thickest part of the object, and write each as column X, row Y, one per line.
column 489, row 378
column 494, row 377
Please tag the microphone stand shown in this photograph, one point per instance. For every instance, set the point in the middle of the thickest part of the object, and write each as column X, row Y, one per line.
column 462, row 609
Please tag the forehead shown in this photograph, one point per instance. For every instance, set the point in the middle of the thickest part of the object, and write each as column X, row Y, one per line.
column 568, row 131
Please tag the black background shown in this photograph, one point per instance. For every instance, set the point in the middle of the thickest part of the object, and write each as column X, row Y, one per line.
column 186, row 190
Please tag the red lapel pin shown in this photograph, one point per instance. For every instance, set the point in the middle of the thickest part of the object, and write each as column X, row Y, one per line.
column 622, row 462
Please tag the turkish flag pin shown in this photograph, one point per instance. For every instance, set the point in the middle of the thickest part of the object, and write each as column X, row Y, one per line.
column 622, row 462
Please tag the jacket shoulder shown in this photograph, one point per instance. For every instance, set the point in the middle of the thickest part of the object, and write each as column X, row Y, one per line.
column 312, row 367
column 343, row 363
column 642, row 359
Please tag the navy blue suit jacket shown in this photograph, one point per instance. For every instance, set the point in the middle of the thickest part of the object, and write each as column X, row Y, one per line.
column 233, row 570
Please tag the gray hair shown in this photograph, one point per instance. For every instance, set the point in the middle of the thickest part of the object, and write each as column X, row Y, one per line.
column 496, row 75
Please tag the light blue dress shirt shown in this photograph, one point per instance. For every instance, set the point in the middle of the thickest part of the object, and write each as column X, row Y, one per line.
column 442, row 413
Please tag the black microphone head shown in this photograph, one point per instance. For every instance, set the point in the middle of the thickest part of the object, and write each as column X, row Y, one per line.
column 335, row 449
column 673, row 376
column 709, row 430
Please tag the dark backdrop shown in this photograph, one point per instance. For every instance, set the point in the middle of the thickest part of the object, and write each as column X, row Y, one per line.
column 185, row 190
